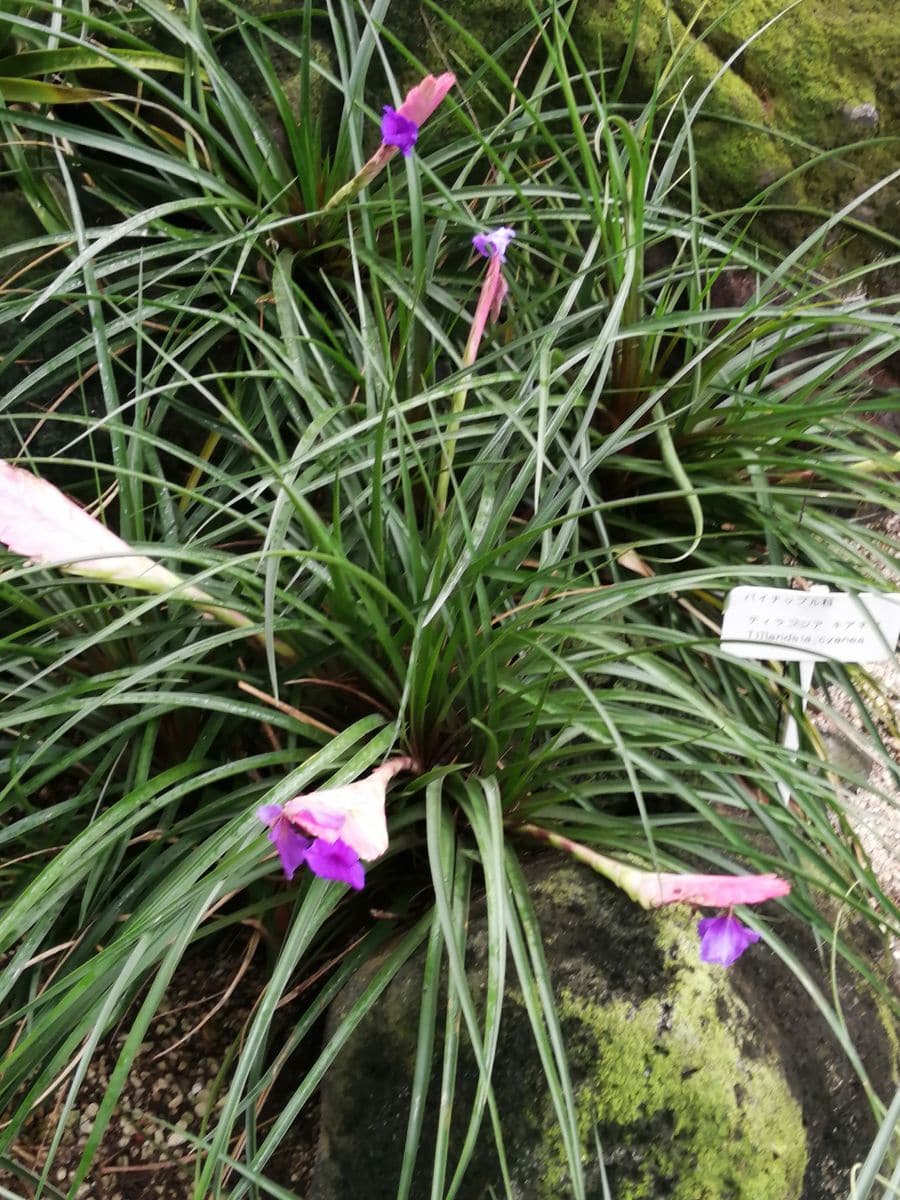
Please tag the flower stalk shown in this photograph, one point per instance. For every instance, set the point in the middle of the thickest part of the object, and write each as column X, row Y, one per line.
column 493, row 292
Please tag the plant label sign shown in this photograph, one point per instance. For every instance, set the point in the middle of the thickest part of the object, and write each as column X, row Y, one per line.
column 787, row 625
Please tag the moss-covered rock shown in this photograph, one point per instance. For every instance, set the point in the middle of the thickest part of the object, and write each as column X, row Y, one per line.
column 822, row 73
column 673, row 1095
column 701, row 1083
column 282, row 50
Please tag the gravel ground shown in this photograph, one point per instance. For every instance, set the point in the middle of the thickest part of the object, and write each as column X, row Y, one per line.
column 173, row 1091
column 873, row 811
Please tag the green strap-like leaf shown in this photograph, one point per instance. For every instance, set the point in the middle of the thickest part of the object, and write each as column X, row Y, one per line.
column 53, row 62
column 32, row 91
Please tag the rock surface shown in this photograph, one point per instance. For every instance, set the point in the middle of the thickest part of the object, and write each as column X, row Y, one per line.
column 701, row 1084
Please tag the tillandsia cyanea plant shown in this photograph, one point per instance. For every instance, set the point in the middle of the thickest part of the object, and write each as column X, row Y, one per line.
column 534, row 656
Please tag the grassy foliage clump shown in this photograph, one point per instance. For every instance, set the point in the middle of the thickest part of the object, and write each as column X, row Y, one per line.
column 258, row 392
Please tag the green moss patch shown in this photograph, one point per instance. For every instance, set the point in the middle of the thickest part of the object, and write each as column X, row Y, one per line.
column 680, row 1106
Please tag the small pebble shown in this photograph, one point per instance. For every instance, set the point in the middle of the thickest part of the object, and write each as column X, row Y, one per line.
column 866, row 115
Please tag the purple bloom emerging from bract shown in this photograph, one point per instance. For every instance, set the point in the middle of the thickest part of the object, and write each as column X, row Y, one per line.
column 330, row 860
column 494, row 288
column 724, row 939
column 494, row 243
column 332, row 829
column 352, row 813
column 399, row 131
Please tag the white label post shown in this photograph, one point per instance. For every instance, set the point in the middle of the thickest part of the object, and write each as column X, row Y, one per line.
column 806, row 627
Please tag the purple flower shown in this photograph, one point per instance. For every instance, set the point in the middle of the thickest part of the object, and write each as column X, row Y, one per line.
column 330, row 860
column 724, row 939
column 398, row 130
column 291, row 844
column 494, row 244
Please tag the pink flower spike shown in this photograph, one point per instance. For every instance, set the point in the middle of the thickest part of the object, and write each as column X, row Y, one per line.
column 652, row 889
column 490, row 301
column 713, row 891
column 352, row 813
column 493, row 246
column 399, row 131
column 423, row 99
column 42, row 524
column 400, row 127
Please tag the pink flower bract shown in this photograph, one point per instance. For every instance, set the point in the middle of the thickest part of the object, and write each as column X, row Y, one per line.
column 423, row 99
column 493, row 246
column 400, row 126
column 352, row 813
column 42, row 524
column 712, row 891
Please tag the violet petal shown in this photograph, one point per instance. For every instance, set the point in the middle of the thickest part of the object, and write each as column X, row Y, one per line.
column 290, row 844
column 724, row 939
column 495, row 242
column 481, row 244
column 336, row 860
column 399, row 131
